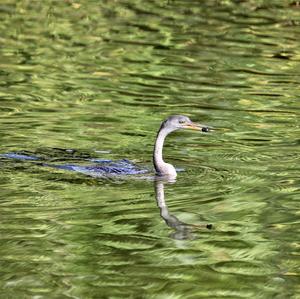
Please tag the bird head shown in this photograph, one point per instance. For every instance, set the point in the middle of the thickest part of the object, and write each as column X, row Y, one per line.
column 176, row 122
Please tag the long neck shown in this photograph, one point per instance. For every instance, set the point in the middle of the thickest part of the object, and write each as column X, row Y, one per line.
column 160, row 166
column 158, row 148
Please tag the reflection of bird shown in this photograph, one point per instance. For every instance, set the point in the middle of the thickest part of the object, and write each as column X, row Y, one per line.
column 171, row 124
column 182, row 230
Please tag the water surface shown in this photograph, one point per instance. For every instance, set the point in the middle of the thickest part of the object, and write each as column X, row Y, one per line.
column 94, row 80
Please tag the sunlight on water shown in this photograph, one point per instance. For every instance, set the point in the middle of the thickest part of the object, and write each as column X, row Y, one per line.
column 83, row 82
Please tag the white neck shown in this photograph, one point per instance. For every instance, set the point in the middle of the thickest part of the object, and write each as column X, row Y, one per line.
column 161, row 167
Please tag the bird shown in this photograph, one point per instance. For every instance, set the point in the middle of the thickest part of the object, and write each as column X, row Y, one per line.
column 171, row 124
column 102, row 168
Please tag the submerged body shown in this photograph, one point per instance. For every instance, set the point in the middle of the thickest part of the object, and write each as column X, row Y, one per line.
column 102, row 168
column 98, row 168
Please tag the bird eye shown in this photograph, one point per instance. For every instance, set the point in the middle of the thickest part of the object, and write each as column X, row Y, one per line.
column 181, row 121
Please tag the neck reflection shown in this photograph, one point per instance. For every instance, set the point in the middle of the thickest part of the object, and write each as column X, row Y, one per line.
column 182, row 230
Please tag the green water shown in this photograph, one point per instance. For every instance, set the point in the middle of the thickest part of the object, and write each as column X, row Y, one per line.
column 99, row 77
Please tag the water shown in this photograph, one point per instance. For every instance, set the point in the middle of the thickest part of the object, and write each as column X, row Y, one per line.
column 96, row 79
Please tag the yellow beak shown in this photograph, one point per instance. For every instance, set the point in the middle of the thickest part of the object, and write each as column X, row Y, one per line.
column 198, row 127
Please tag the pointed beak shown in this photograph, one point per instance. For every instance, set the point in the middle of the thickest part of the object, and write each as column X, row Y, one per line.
column 198, row 127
